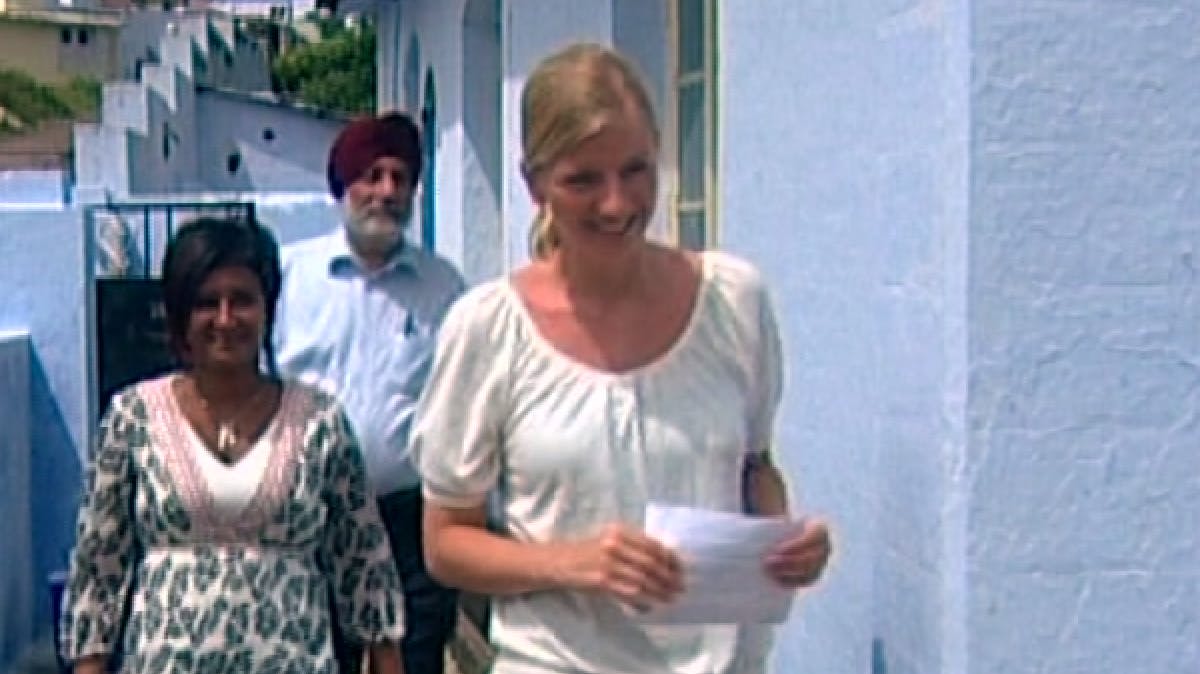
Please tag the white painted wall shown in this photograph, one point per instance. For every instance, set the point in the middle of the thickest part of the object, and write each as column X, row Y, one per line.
column 28, row 188
column 482, row 163
column 280, row 148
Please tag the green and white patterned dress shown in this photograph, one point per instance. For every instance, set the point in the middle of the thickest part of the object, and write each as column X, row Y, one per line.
column 213, row 593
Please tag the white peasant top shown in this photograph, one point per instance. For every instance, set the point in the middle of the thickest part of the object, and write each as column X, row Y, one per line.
column 566, row 448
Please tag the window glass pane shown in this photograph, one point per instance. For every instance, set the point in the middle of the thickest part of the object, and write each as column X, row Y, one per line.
column 691, row 35
column 692, row 153
column 693, row 231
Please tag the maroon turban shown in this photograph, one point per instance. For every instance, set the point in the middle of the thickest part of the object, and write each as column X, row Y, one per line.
column 367, row 139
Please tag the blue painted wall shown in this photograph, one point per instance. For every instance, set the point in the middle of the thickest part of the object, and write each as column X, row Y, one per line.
column 1084, row 473
column 843, row 173
column 16, row 566
column 979, row 220
column 43, row 284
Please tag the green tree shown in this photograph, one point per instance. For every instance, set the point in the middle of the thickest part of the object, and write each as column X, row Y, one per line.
column 336, row 73
column 27, row 102
column 83, row 96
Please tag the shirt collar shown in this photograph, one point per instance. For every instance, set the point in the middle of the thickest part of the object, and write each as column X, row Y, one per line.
column 342, row 258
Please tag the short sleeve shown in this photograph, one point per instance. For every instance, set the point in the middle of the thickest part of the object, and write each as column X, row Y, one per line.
column 456, row 437
column 765, row 375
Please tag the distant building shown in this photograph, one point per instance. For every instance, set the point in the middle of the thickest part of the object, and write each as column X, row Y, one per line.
column 56, row 45
column 200, row 117
column 186, row 107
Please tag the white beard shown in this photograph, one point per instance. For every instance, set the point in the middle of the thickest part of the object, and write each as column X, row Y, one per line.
column 376, row 232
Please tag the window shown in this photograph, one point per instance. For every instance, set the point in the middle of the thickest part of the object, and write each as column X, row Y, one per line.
column 692, row 134
column 83, row 36
column 65, row 35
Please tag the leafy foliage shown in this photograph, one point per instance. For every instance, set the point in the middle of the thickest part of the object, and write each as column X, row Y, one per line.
column 336, row 74
column 27, row 102
column 83, row 95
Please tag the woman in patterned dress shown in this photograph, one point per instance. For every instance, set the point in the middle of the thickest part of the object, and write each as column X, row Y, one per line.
column 224, row 503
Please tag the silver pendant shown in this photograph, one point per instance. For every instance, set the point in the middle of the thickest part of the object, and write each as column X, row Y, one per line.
column 226, row 439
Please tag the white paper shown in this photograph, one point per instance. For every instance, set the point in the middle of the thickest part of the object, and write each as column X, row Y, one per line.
column 722, row 553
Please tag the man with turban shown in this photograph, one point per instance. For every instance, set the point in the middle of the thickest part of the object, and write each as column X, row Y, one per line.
column 358, row 316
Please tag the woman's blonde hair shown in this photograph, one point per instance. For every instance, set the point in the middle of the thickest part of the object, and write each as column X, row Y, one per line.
column 568, row 98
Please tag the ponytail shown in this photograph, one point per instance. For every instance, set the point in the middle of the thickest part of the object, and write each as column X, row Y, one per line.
column 543, row 236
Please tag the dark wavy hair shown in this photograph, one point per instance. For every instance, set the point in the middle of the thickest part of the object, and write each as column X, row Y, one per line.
column 204, row 245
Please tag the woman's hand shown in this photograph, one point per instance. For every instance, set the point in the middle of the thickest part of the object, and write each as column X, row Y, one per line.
column 92, row 664
column 623, row 563
column 799, row 560
column 384, row 658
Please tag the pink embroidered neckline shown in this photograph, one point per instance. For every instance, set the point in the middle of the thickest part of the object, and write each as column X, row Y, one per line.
column 169, row 432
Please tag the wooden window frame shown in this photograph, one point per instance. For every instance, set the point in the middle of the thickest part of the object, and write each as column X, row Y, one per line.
column 707, row 75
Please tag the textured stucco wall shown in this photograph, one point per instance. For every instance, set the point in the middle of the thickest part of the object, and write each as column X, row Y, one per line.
column 1085, row 476
column 842, row 175
column 17, row 580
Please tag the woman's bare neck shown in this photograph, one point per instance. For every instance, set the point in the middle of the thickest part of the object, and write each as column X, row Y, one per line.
column 224, row 385
column 584, row 278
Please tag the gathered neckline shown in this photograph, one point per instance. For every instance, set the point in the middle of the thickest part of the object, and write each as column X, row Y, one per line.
column 669, row 354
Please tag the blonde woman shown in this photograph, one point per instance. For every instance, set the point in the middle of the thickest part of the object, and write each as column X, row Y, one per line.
column 608, row 373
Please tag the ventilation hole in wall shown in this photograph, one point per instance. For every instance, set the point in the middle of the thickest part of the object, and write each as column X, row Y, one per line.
column 169, row 137
column 233, row 162
column 268, row 134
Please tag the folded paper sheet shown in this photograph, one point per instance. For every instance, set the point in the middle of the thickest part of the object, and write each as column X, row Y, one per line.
column 723, row 566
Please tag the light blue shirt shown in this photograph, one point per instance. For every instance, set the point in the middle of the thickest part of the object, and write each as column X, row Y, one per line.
column 367, row 337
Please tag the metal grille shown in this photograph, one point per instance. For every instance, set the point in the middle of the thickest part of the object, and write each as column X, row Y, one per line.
column 126, row 245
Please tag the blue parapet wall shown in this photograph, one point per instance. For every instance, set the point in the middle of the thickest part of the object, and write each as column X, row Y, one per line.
column 17, row 581
column 43, row 280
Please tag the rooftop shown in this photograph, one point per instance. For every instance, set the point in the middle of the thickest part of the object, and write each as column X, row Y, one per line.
column 45, row 147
